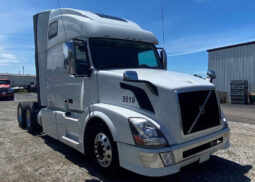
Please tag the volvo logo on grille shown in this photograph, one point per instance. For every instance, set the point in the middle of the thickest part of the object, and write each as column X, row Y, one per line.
column 201, row 110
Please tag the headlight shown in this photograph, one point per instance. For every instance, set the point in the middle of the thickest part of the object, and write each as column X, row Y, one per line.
column 146, row 134
column 10, row 90
column 224, row 119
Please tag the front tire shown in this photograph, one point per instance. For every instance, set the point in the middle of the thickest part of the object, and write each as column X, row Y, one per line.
column 12, row 97
column 103, row 151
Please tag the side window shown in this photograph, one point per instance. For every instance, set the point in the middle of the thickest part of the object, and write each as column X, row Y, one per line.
column 82, row 61
column 69, row 59
column 53, row 30
column 147, row 58
column 76, row 58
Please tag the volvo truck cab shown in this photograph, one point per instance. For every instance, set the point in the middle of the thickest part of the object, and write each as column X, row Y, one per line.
column 103, row 89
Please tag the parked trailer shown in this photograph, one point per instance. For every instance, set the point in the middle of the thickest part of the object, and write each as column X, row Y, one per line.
column 103, row 89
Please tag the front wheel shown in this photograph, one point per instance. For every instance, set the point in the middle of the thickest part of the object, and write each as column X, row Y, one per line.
column 104, row 151
column 12, row 97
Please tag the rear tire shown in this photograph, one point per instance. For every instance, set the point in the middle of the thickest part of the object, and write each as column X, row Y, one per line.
column 31, row 120
column 103, row 151
column 21, row 114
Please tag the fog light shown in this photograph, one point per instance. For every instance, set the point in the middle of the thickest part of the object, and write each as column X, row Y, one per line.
column 151, row 160
column 167, row 158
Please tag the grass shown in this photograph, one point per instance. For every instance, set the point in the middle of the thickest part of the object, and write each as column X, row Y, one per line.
column 24, row 92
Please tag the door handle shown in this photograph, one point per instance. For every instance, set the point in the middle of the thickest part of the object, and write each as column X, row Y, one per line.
column 70, row 101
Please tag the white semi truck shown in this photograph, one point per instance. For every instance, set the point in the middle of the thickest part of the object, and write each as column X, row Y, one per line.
column 103, row 89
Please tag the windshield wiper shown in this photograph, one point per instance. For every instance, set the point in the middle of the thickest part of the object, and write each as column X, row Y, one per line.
column 146, row 66
column 111, row 66
column 114, row 66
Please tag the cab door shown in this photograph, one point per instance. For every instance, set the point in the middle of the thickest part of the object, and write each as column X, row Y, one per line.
column 78, row 77
column 75, row 89
column 68, row 76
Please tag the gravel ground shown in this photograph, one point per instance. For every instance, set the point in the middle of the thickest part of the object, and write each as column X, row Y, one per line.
column 239, row 113
column 24, row 157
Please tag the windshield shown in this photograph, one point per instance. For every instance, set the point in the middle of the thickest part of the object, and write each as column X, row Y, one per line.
column 4, row 81
column 114, row 54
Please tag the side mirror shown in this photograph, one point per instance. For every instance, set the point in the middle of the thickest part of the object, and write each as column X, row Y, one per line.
column 211, row 74
column 163, row 58
column 130, row 76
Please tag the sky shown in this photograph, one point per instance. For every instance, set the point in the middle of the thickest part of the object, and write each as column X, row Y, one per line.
column 191, row 27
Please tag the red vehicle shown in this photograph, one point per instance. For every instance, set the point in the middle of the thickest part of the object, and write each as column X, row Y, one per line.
column 5, row 89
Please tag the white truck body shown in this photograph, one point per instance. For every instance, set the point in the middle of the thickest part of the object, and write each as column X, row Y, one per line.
column 69, row 102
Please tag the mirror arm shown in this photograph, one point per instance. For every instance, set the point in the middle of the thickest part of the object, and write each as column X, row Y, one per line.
column 163, row 57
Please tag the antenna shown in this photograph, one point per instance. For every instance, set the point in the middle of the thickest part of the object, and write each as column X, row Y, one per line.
column 62, row 19
column 163, row 27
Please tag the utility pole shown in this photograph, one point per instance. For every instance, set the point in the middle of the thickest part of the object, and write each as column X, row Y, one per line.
column 23, row 70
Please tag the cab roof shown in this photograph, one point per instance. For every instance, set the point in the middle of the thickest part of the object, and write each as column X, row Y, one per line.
column 73, row 23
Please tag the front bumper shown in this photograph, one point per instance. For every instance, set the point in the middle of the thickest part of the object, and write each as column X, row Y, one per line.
column 148, row 162
column 6, row 94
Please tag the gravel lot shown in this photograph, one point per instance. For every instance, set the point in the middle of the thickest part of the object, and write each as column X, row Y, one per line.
column 239, row 113
column 24, row 157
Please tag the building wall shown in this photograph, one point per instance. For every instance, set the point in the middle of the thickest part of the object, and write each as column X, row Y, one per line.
column 234, row 63
column 19, row 80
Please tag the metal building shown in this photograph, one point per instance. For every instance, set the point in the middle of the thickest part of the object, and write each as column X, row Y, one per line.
column 235, row 62
column 19, row 79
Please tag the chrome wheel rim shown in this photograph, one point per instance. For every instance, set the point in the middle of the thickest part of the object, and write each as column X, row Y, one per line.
column 28, row 118
column 19, row 115
column 103, row 150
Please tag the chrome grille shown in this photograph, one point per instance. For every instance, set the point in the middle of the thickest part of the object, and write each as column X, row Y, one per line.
column 199, row 110
column 3, row 89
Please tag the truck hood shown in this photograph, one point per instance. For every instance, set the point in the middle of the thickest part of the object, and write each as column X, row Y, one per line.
column 164, row 79
column 163, row 107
